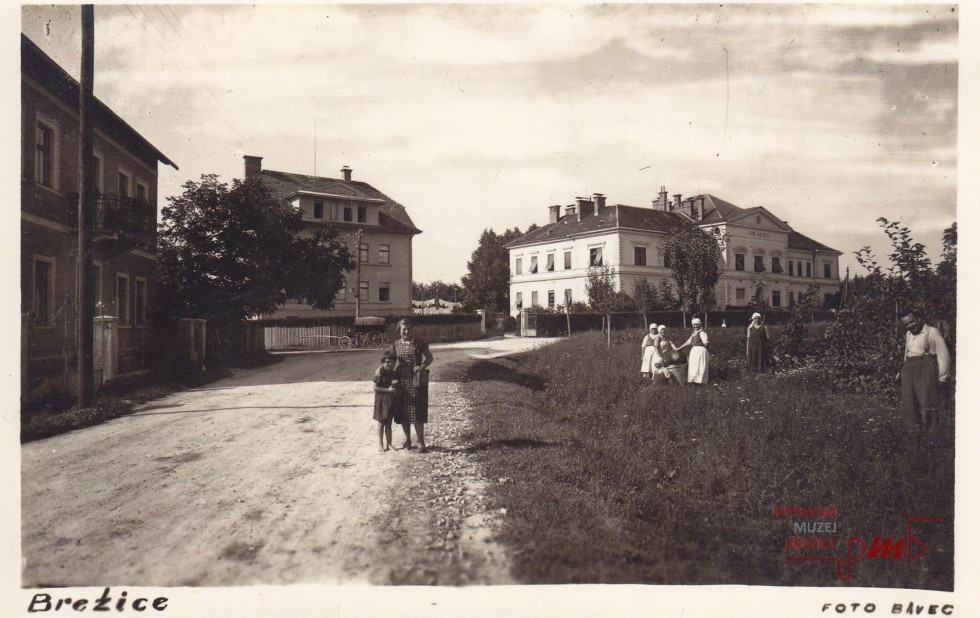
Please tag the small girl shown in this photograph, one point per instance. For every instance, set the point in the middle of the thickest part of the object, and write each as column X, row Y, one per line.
column 385, row 398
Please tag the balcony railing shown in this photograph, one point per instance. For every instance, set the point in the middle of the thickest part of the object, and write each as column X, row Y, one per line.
column 118, row 214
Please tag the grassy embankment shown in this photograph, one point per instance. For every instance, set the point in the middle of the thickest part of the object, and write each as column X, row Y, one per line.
column 607, row 479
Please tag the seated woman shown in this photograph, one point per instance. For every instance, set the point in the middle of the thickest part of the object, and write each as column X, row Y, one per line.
column 670, row 359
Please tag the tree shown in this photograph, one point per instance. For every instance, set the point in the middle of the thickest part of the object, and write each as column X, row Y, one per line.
column 695, row 263
column 487, row 282
column 645, row 296
column 600, row 288
column 227, row 254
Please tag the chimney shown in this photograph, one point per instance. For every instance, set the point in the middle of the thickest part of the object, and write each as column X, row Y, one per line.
column 584, row 207
column 662, row 202
column 677, row 201
column 346, row 171
column 554, row 212
column 253, row 165
column 599, row 203
column 569, row 211
column 700, row 208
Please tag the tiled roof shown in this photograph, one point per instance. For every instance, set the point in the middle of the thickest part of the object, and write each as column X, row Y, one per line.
column 40, row 67
column 717, row 209
column 804, row 243
column 393, row 216
column 612, row 217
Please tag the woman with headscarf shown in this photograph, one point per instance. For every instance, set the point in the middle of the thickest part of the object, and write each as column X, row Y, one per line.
column 413, row 378
column 697, row 358
column 757, row 345
column 649, row 353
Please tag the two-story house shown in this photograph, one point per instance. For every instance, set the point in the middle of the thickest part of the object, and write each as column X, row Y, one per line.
column 764, row 258
column 125, row 225
column 382, row 283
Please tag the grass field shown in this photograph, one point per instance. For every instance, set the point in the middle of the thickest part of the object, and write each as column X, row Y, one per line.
column 608, row 479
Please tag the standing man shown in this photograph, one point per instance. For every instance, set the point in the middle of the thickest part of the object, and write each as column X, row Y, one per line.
column 925, row 367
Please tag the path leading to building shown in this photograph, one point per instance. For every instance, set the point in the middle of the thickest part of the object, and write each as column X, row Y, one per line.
column 271, row 476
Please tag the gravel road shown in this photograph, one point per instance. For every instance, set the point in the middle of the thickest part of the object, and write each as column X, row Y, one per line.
column 270, row 476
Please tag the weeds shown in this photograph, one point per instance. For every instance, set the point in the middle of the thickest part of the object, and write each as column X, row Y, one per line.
column 677, row 485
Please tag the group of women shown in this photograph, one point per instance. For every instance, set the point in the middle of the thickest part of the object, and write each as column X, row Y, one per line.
column 661, row 359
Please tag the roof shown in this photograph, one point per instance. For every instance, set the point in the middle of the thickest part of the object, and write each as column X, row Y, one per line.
column 805, row 243
column 619, row 216
column 393, row 216
column 613, row 217
column 38, row 66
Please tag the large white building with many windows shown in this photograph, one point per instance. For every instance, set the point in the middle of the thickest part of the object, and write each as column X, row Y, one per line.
column 764, row 258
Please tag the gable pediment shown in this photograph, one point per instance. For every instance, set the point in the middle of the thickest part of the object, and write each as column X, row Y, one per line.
column 761, row 218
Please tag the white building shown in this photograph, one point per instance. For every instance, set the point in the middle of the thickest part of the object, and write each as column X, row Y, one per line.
column 763, row 255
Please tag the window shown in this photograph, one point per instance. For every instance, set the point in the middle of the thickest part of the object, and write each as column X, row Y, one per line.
column 534, row 299
column 365, row 253
column 739, row 293
column 791, row 299
column 534, row 264
column 317, row 210
column 342, row 292
column 517, row 266
column 348, row 213
column 142, row 191
column 384, row 254
column 550, row 262
column 759, row 266
column 595, row 256
column 776, row 266
column 739, row 261
column 666, row 260
column 122, row 299
column 97, row 283
column 140, row 313
column 568, row 297
column 640, row 256
column 43, row 289
column 384, row 292
column 365, row 291
column 44, row 161
column 568, row 260
column 826, row 270
column 551, row 299
column 518, row 302
column 799, row 269
column 124, row 183
column 790, row 264
column 808, row 269
column 828, row 299
column 362, row 214
column 333, row 211
column 776, row 298
column 97, row 172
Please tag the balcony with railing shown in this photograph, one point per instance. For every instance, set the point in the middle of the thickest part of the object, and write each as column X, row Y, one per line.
column 120, row 220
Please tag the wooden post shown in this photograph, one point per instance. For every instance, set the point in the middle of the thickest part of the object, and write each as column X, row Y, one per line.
column 84, row 335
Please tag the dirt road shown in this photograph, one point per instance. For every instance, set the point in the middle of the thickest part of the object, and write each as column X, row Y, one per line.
column 271, row 476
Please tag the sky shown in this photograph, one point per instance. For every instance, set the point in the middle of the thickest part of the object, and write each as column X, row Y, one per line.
column 481, row 116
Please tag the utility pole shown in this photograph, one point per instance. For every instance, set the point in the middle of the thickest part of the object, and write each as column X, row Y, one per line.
column 357, row 293
column 84, row 336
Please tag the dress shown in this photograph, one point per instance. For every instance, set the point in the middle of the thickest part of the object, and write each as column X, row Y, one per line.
column 385, row 404
column 414, row 401
column 926, row 362
column 758, row 348
column 651, row 356
column 697, row 360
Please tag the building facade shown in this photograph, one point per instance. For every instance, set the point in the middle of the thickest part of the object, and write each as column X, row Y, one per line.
column 764, row 258
column 382, row 283
column 124, row 241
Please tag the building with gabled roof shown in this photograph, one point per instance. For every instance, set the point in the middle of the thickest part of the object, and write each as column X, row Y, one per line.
column 383, row 281
column 123, row 237
column 764, row 258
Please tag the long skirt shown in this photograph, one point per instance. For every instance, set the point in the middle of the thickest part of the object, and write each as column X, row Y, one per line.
column 697, row 365
column 650, row 358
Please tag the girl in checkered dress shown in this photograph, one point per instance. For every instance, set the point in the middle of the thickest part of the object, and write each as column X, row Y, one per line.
column 385, row 398
column 414, row 358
